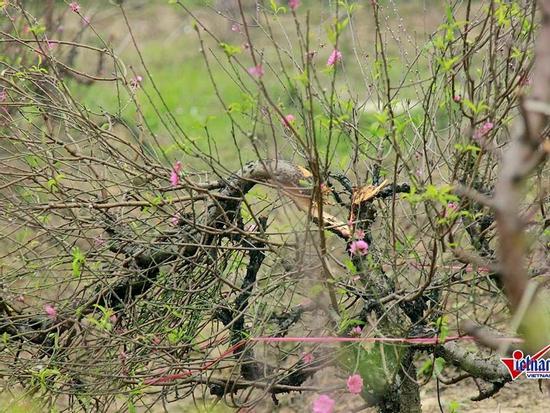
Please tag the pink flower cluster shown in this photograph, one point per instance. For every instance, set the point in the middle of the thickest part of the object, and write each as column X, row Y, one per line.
column 323, row 404
column 355, row 384
column 74, row 6
column 175, row 175
column 359, row 247
column 256, row 71
column 175, row 219
column 135, row 82
column 483, row 130
column 293, row 4
column 288, row 120
column 308, row 358
column 50, row 311
column 335, row 57
column 452, row 206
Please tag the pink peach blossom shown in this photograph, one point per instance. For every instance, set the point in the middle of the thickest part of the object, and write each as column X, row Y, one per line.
column 356, row 331
column 256, row 71
column 359, row 247
column 135, row 82
column 74, row 6
column 355, row 384
column 453, row 206
column 50, row 311
column 288, row 120
column 175, row 175
column 323, row 404
column 483, row 130
column 293, row 4
column 308, row 358
column 175, row 219
column 335, row 57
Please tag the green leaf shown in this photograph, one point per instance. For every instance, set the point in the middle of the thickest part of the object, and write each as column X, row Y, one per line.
column 350, row 266
column 453, row 406
column 426, row 367
column 439, row 365
column 276, row 8
column 229, row 49
column 78, row 261
column 467, row 148
column 443, row 328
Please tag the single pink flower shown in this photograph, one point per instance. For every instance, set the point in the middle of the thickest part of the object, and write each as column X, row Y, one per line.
column 175, row 220
column 288, row 120
column 175, row 175
column 75, row 7
column 50, row 311
column 335, row 57
column 356, row 331
column 457, row 98
column 308, row 358
column 323, row 404
column 20, row 298
column 355, row 384
column 359, row 247
column 99, row 241
column 256, row 71
column 113, row 319
column 50, row 45
column 293, row 4
column 451, row 207
column 135, row 82
column 483, row 130
column 359, row 234
column 235, row 27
